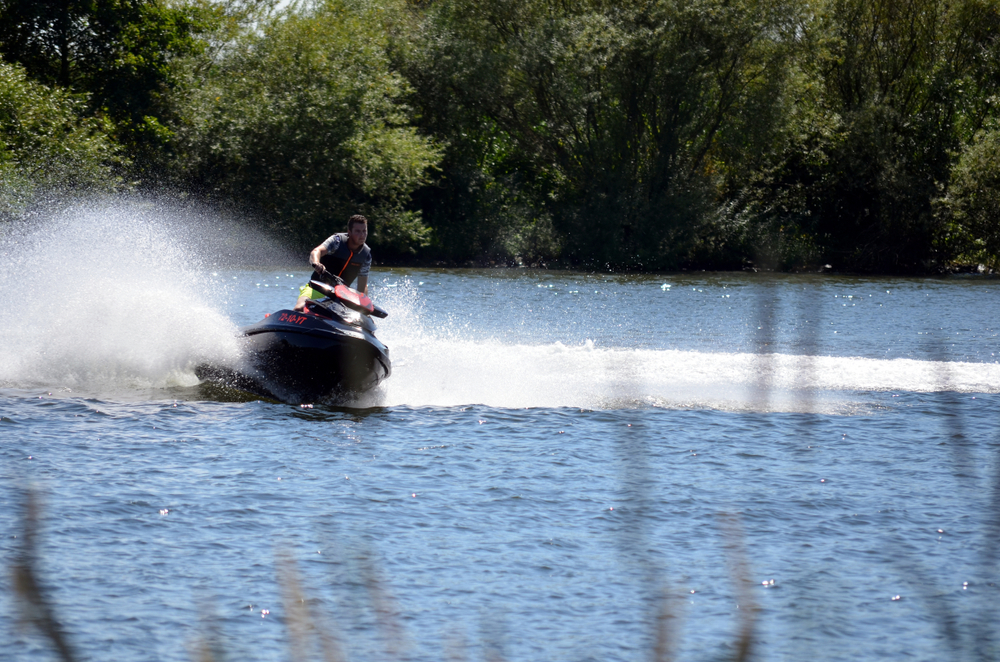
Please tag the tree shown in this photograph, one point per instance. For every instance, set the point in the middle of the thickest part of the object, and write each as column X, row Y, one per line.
column 45, row 145
column 610, row 117
column 886, row 93
column 118, row 52
column 971, row 209
column 305, row 122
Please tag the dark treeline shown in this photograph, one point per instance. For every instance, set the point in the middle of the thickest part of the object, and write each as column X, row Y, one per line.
column 625, row 134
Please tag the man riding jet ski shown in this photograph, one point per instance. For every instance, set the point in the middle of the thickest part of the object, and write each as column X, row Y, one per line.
column 345, row 255
column 326, row 346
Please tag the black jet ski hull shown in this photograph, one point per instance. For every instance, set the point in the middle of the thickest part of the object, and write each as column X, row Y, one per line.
column 307, row 367
column 301, row 357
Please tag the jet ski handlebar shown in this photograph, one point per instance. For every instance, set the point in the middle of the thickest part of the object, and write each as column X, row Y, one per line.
column 349, row 297
column 331, row 279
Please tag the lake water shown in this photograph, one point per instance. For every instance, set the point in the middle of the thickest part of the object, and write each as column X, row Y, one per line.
column 563, row 466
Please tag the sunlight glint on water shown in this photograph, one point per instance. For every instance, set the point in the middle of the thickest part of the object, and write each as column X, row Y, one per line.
column 134, row 295
column 552, row 454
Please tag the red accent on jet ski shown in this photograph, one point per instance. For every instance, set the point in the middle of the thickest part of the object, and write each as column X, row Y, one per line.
column 353, row 298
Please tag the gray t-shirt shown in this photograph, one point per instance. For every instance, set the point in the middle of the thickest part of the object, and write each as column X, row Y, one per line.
column 334, row 241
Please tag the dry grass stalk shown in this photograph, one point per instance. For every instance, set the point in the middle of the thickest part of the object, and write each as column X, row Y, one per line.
column 35, row 608
column 664, row 646
column 209, row 645
column 386, row 610
column 456, row 650
column 739, row 572
column 304, row 628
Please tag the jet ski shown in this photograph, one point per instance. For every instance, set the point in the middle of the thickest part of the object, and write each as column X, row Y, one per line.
column 328, row 351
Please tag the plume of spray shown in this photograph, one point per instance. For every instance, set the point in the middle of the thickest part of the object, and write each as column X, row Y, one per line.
column 440, row 360
column 113, row 295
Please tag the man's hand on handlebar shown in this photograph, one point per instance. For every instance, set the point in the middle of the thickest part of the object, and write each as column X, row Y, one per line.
column 325, row 275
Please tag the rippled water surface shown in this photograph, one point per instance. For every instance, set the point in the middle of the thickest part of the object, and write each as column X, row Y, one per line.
column 561, row 466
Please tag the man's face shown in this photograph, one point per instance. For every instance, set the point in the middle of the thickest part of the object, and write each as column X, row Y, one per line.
column 357, row 235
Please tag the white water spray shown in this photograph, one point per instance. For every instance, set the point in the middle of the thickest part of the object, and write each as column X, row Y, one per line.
column 112, row 296
column 449, row 373
column 438, row 368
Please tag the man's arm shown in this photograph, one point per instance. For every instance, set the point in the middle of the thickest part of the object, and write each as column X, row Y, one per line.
column 314, row 257
column 363, row 284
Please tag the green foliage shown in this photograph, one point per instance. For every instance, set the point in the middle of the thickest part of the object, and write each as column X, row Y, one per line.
column 635, row 134
column 971, row 209
column 45, row 145
column 610, row 117
column 118, row 52
column 885, row 92
column 305, row 121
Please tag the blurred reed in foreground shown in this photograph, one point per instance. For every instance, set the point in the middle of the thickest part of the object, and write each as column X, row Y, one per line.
column 313, row 635
column 35, row 606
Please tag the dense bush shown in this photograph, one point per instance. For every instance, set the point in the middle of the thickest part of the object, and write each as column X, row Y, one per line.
column 306, row 121
column 116, row 52
column 886, row 95
column 45, row 144
column 971, row 210
column 608, row 118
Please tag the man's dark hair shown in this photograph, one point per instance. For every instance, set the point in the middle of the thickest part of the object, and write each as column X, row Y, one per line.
column 357, row 218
